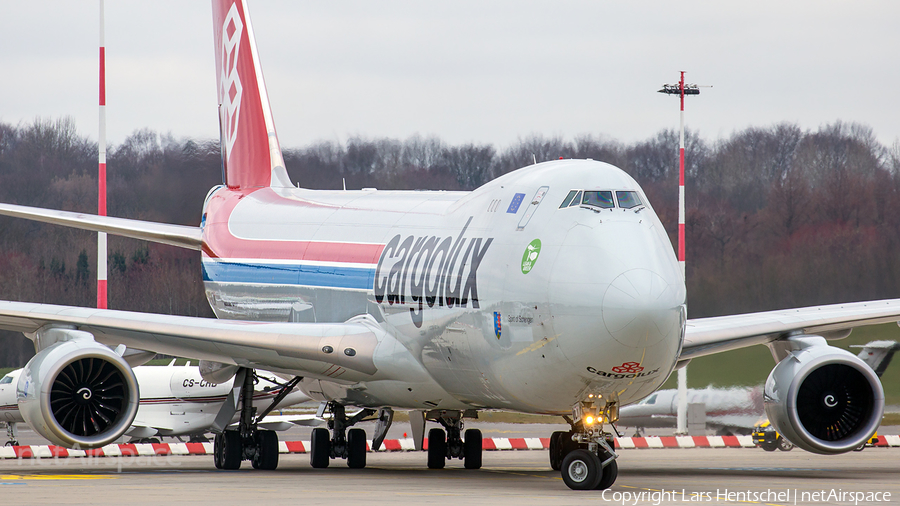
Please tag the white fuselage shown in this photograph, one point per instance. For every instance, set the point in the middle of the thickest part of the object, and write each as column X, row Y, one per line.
column 496, row 298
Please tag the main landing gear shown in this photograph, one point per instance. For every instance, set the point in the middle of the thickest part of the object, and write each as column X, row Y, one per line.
column 443, row 444
column 442, row 447
column 585, row 455
column 342, row 443
column 247, row 441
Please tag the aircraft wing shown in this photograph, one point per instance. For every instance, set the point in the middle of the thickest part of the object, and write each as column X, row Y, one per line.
column 174, row 235
column 705, row 336
column 295, row 347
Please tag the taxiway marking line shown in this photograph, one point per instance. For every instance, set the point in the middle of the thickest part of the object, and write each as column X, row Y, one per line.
column 11, row 477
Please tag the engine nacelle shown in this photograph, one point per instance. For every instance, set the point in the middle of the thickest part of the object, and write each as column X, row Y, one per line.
column 824, row 399
column 78, row 393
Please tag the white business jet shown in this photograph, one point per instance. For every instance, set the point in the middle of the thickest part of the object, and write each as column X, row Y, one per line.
column 552, row 289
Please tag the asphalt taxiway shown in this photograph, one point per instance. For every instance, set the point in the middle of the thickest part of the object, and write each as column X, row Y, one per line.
column 646, row 477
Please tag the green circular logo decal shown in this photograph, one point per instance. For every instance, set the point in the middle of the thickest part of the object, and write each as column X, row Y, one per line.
column 532, row 251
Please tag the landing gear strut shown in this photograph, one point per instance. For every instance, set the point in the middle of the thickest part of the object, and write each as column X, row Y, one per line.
column 585, row 454
column 342, row 443
column 247, row 441
column 442, row 447
column 12, row 434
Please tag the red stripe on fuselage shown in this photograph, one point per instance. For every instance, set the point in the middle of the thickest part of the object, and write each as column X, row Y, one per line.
column 218, row 241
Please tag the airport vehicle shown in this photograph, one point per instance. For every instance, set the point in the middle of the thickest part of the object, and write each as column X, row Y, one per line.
column 729, row 411
column 553, row 289
column 176, row 401
column 871, row 442
column 766, row 437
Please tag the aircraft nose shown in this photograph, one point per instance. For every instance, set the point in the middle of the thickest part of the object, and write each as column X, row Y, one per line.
column 641, row 308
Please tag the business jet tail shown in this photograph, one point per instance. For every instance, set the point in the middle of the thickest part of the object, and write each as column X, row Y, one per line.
column 878, row 354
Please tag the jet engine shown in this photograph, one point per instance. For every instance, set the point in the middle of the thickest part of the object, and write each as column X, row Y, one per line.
column 823, row 399
column 78, row 393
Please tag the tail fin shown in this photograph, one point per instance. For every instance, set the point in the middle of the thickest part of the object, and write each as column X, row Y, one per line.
column 251, row 155
column 878, row 354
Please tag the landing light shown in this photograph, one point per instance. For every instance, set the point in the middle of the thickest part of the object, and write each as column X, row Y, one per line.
column 589, row 420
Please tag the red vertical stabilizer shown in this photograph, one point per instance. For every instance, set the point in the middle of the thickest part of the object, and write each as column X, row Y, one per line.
column 252, row 153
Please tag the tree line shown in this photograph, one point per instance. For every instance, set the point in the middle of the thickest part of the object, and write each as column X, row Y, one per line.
column 777, row 216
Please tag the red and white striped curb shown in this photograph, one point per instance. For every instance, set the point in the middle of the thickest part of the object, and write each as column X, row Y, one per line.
column 389, row 445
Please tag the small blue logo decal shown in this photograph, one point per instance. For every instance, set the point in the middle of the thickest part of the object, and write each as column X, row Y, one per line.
column 497, row 324
column 516, row 202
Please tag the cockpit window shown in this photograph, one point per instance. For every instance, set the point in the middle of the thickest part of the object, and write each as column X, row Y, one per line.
column 6, row 379
column 569, row 198
column 650, row 400
column 628, row 199
column 601, row 199
column 572, row 199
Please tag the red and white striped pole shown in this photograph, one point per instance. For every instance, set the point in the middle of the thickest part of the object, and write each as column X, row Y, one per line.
column 101, row 194
column 681, row 183
column 681, row 411
column 681, row 90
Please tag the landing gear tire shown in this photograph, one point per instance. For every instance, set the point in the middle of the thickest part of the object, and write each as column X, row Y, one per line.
column 610, row 473
column 232, row 449
column 356, row 448
column 219, row 451
column 266, row 457
column 556, row 455
column 472, row 448
column 319, row 448
column 437, row 449
column 785, row 445
column 560, row 445
column 581, row 470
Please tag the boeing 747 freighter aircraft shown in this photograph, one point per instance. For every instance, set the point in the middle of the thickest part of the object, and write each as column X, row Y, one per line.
column 552, row 289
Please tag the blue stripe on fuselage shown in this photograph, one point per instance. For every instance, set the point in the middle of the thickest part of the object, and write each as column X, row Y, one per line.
column 289, row 274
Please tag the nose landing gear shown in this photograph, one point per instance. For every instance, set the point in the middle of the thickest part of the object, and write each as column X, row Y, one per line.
column 12, row 434
column 585, row 455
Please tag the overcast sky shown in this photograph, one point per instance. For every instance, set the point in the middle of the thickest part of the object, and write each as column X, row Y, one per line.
column 466, row 71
